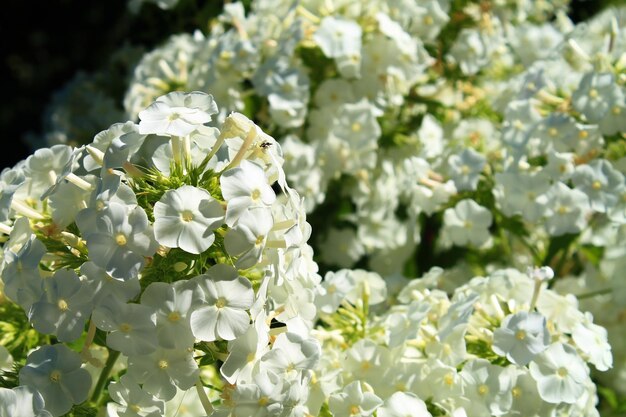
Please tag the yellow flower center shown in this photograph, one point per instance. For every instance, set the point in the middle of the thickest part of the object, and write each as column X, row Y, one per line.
column 220, row 303
column 163, row 364
column 186, row 215
column 174, row 316
column 120, row 239
column 354, row 410
column 125, row 328
column 62, row 304
column 483, row 389
column 55, row 376
column 520, row 335
column 562, row 372
column 596, row 185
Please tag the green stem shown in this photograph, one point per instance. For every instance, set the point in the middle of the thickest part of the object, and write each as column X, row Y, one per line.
column 506, row 247
column 594, row 293
column 104, row 375
column 366, row 306
column 91, row 333
column 561, row 263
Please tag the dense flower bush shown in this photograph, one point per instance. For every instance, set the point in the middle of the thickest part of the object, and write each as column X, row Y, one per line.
column 331, row 208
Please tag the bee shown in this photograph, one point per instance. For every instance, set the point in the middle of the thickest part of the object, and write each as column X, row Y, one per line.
column 265, row 144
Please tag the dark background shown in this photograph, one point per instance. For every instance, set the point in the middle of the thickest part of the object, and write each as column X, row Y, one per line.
column 45, row 42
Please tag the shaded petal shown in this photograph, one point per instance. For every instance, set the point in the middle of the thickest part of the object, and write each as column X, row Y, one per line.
column 232, row 323
column 203, row 322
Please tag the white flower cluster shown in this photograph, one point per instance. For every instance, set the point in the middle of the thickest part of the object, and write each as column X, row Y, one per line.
column 519, row 118
column 511, row 143
column 177, row 246
column 500, row 345
column 476, row 136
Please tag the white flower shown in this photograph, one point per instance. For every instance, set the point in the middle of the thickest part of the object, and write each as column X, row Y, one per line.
column 540, row 274
column 186, row 217
column 121, row 240
column 352, row 401
column 467, row 223
column 131, row 327
column 466, row 168
column 567, row 210
column 264, row 394
column 227, row 299
column 487, row 387
column 561, row 374
column 64, row 308
column 177, row 114
column 334, row 288
column 245, row 351
column 173, row 305
column 367, row 284
column 431, row 137
column 526, row 399
column 131, row 400
column 55, row 371
column 591, row 339
column 440, row 381
column 246, row 240
column 338, row 37
column 601, row 182
column 521, row 337
column 522, row 193
column 22, row 401
column 164, row 371
column 596, row 94
column 403, row 404
column 243, row 187
column 20, row 275
column 290, row 354
column 365, row 360
column 470, row 51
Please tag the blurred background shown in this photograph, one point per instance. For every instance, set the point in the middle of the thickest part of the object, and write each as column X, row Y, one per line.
column 46, row 44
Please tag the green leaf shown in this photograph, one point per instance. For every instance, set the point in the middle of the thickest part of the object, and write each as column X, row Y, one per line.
column 609, row 396
column 594, row 254
column 207, row 359
column 557, row 244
